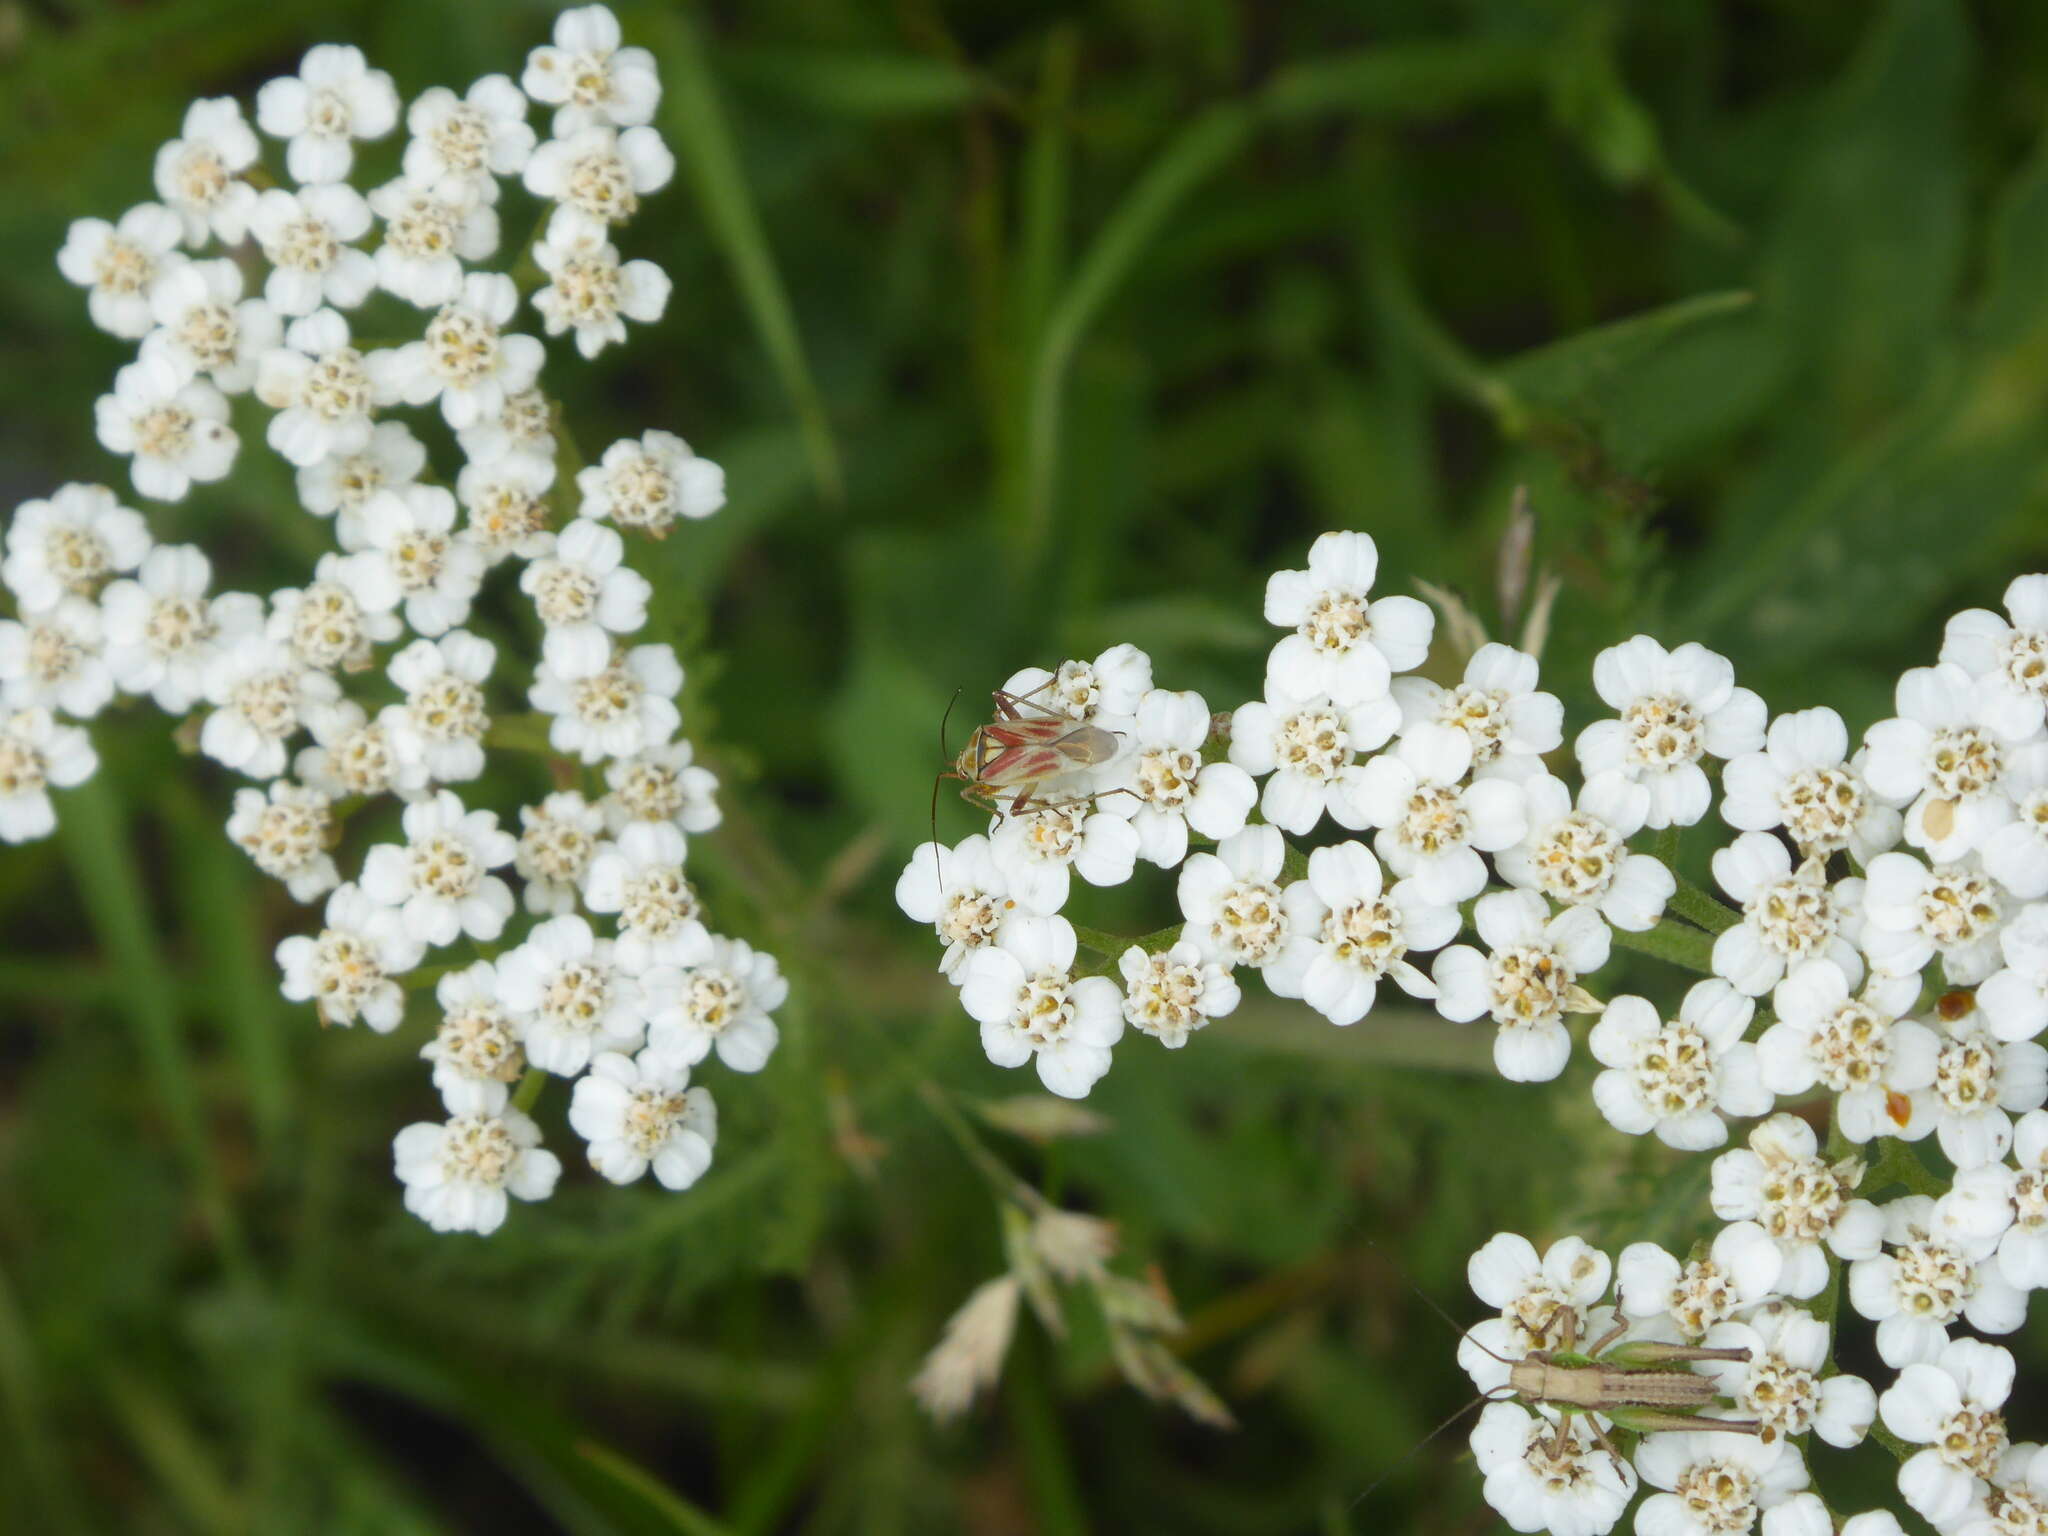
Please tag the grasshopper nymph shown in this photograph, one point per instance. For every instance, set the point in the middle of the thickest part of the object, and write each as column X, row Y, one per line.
column 1643, row 1385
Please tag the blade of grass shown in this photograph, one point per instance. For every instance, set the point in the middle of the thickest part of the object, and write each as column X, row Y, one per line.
column 174, row 1451
column 856, row 84
column 1194, row 155
column 1408, row 80
column 109, row 881
column 240, row 992
column 21, row 1390
column 1048, row 1464
column 698, row 127
column 661, row 1501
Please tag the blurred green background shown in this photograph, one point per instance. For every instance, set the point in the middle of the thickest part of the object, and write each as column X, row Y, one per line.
column 1021, row 329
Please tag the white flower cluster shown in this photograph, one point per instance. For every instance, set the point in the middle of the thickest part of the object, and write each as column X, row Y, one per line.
column 1878, row 957
column 364, row 683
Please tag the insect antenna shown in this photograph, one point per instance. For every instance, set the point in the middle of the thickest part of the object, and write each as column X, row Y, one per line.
column 1410, row 1454
column 938, row 867
column 1464, row 1334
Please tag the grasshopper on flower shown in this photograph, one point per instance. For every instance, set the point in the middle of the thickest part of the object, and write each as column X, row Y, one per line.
column 1642, row 1385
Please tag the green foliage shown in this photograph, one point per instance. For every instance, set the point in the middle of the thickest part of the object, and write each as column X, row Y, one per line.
column 1021, row 329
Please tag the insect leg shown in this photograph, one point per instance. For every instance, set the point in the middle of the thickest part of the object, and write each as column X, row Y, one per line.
column 1600, row 1347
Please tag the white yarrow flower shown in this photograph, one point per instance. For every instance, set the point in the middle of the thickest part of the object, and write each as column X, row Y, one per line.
column 340, row 486
column 1580, row 857
column 69, row 544
column 1310, row 748
column 640, row 1112
column 721, row 1000
column 1678, row 1077
column 460, row 145
column 661, row 784
column 1788, row 915
column 1936, row 1272
column 1344, row 647
column 199, row 173
column 2008, row 662
column 649, row 481
column 323, row 391
column 1022, row 991
column 1038, row 851
column 1952, row 1406
column 428, row 234
column 1542, row 1299
column 334, row 99
column 204, row 325
column 261, row 695
column 120, row 264
column 591, row 291
column 1913, row 913
column 570, row 996
column 624, row 709
column 1350, row 931
column 1941, row 757
column 412, row 555
column 467, row 361
column 288, row 829
column 1804, row 780
column 588, row 78
column 476, row 1051
column 173, row 428
column 1537, row 1482
column 457, row 1176
column 38, row 755
column 1683, row 1299
column 1713, row 1484
column 962, row 892
column 1529, row 981
column 1879, row 1065
column 308, row 237
column 439, row 880
column 348, row 970
column 585, row 595
column 640, row 878
column 1232, row 901
column 163, row 631
column 597, row 176
column 1780, row 1182
column 557, row 840
column 1509, row 723
column 56, row 659
column 1433, row 825
column 1171, row 994
column 439, row 728
column 1675, row 707
column 1781, row 1386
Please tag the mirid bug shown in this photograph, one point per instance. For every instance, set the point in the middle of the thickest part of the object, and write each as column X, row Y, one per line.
column 1025, row 750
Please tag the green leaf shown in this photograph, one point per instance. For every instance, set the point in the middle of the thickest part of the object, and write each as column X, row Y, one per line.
column 1188, row 160
column 697, row 125
column 848, row 83
column 671, row 1509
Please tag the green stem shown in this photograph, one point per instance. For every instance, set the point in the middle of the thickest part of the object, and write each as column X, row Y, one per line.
column 529, row 1090
column 1898, row 1163
column 1006, row 1184
column 1664, row 848
column 1675, row 943
column 1699, row 906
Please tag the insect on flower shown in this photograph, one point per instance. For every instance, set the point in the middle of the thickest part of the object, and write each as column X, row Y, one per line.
column 1024, row 752
column 1642, row 1385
